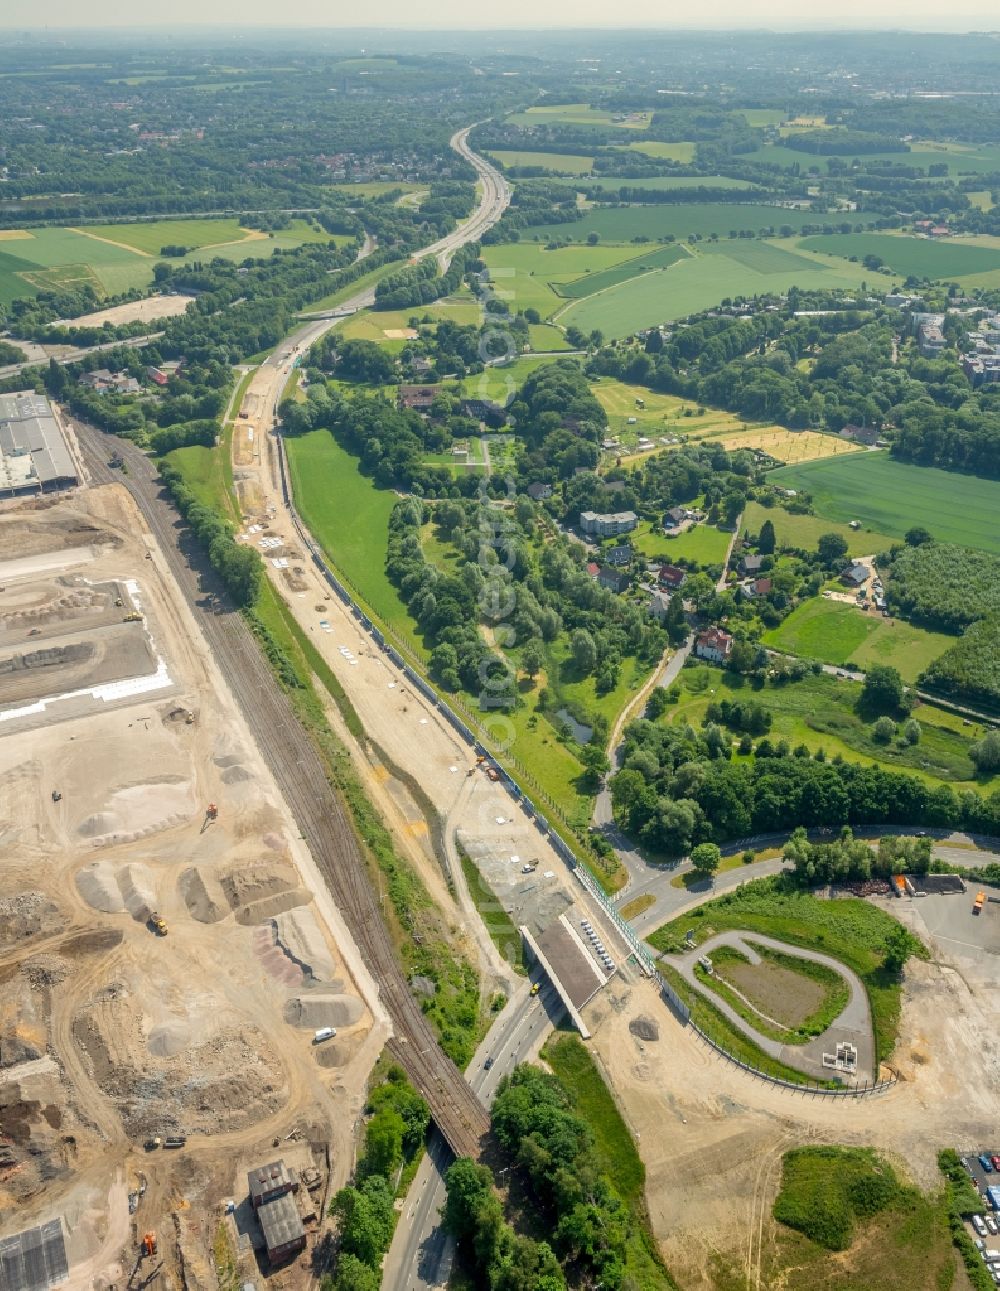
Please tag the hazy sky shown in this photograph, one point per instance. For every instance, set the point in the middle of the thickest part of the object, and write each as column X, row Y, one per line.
column 926, row 15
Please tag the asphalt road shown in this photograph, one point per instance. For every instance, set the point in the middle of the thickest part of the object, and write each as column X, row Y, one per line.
column 421, row 1253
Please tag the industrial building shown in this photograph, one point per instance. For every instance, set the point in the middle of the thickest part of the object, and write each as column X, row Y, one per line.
column 34, row 457
column 271, row 1188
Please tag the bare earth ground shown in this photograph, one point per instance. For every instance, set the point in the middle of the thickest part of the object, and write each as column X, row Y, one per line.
column 135, row 311
column 712, row 1137
column 109, row 1033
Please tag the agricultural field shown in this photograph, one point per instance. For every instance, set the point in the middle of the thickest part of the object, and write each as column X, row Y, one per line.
column 591, row 283
column 961, row 160
column 837, row 633
column 662, row 183
column 803, row 532
column 757, row 118
column 53, row 258
column 545, row 338
column 579, row 114
column 148, row 236
column 530, row 276
column 706, row 278
column 982, row 199
column 906, row 256
column 373, row 324
column 625, row 223
column 663, row 413
column 821, row 712
column 892, row 496
column 328, row 486
column 375, row 187
column 790, row 446
column 565, row 163
column 681, row 152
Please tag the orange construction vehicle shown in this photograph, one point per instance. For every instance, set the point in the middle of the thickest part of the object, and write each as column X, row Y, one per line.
column 212, row 812
column 149, row 1244
column 977, row 905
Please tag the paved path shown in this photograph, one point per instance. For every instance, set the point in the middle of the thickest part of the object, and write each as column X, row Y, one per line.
column 852, row 1025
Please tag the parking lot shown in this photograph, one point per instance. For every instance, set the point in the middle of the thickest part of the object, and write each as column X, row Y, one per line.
column 984, row 1227
column 949, row 920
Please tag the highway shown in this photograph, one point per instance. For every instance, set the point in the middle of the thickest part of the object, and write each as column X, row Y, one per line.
column 421, row 1252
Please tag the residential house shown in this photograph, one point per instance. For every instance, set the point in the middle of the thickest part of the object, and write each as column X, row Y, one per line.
column 593, row 568
column 615, row 580
column 485, row 411
column 538, row 491
column 860, row 435
column 676, row 516
column 855, row 575
column 672, row 576
column 612, row 486
column 982, row 369
column 620, row 556
column 157, row 376
column 751, row 564
column 597, row 525
column 714, row 644
column 417, row 398
column 104, row 381
column 659, row 605
column 756, row 587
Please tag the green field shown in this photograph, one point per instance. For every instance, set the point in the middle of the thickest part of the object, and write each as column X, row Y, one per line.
column 55, row 258
column 533, row 275
column 803, row 532
column 578, row 114
column 704, row 279
column 661, row 183
column 704, row 544
column 891, row 497
column 590, row 283
column 837, row 633
column 565, row 163
column 149, row 235
column 623, row 224
column 960, row 160
column 919, row 257
column 349, row 517
column 544, row 338
column 821, row 712
column 682, row 152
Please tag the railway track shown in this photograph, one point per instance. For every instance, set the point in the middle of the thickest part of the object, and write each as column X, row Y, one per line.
column 316, row 806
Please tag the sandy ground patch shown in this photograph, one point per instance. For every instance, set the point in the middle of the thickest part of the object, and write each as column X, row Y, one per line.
column 16, row 235
column 135, row 311
column 400, row 333
column 712, row 1137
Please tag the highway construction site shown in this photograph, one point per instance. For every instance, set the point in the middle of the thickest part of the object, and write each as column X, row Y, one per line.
column 167, row 951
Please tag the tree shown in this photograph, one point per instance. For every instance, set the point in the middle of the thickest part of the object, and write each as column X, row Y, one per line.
column 883, row 690
column 898, row 948
column 533, row 658
column 593, row 239
column 831, row 548
column 985, row 753
column 654, row 341
column 918, row 536
column 352, row 1275
column 705, row 858
column 584, row 651
column 883, row 730
column 911, row 731
column 766, row 538
column 384, row 1142
column 595, row 764
column 365, row 1216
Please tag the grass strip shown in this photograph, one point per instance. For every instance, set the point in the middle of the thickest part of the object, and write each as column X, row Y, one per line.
column 615, row 1153
column 498, row 923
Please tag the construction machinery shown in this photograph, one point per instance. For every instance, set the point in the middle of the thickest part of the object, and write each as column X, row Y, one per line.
column 116, row 461
column 56, row 795
column 149, row 1244
column 211, row 812
column 158, row 924
column 133, row 616
column 977, row 905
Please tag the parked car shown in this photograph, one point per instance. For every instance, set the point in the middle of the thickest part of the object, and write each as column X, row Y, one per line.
column 986, row 1163
column 996, row 1161
column 991, row 1224
column 487, row 1064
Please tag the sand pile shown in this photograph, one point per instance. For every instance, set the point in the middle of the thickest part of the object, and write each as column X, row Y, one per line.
column 644, row 1028
column 203, row 896
column 261, row 892
column 97, row 883
column 138, row 889
column 170, row 1039
column 298, row 936
column 313, row 1011
column 231, row 767
column 26, row 914
column 138, row 810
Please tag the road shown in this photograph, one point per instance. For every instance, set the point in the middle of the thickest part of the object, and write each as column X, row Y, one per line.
column 494, row 197
column 421, row 1252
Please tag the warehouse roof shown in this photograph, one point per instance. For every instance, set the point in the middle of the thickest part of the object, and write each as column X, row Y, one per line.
column 34, row 1259
column 280, row 1222
column 32, row 448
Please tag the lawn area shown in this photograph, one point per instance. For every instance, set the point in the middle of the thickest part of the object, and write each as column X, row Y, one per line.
column 682, row 152
column 148, row 236
column 373, row 324
column 848, row 929
column 564, row 162
column 614, row 1150
column 821, row 712
column 204, row 474
column 803, row 532
column 544, row 338
column 703, row 544
column 921, row 257
column 704, row 279
column 837, row 633
column 499, row 382
column 891, row 496
column 349, row 517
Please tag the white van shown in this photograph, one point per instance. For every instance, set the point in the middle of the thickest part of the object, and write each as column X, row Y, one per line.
column 324, row 1033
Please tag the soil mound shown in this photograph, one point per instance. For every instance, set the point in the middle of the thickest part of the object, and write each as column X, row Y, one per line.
column 97, row 883
column 298, row 936
column 26, row 914
column 138, row 889
column 203, row 896
column 644, row 1028
column 316, row 1011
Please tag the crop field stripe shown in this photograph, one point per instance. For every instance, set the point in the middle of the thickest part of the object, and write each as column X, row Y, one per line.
column 592, row 283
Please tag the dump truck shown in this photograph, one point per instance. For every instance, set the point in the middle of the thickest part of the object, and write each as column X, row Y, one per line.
column 158, row 924
column 133, row 616
column 977, row 905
